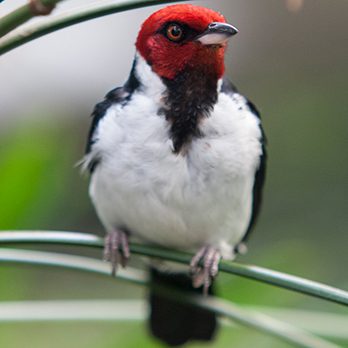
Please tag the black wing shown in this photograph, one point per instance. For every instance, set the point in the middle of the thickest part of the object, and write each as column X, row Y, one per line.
column 260, row 176
column 118, row 95
column 228, row 88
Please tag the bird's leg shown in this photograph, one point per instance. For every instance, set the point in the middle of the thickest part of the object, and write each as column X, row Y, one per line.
column 209, row 257
column 116, row 249
column 194, row 264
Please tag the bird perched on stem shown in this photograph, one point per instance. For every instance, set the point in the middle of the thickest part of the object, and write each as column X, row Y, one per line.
column 177, row 159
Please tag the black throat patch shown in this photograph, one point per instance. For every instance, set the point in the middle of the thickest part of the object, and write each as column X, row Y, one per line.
column 190, row 97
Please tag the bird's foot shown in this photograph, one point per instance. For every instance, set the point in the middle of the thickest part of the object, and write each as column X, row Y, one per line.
column 204, row 267
column 116, row 249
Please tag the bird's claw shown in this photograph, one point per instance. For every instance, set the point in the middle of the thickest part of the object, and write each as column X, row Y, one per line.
column 204, row 267
column 116, row 249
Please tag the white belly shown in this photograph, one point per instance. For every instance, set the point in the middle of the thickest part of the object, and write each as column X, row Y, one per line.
column 178, row 201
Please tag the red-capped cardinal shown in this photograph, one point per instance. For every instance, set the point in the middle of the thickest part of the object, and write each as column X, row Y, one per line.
column 177, row 159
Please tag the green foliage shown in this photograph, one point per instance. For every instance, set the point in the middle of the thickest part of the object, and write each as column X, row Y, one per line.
column 30, row 166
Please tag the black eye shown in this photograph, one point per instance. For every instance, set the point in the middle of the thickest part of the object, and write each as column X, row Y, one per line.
column 174, row 32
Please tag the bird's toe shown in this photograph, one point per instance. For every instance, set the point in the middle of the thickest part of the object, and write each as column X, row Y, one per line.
column 204, row 267
column 116, row 249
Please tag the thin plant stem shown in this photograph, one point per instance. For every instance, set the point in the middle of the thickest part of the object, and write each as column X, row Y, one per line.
column 321, row 323
column 79, row 263
column 67, row 19
column 19, row 16
column 261, row 274
column 249, row 318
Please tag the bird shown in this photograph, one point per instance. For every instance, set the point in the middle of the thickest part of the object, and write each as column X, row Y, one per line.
column 177, row 159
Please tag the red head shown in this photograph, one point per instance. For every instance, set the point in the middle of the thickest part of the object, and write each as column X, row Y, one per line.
column 180, row 37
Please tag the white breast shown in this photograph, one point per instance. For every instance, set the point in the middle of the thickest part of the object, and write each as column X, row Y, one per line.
column 178, row 201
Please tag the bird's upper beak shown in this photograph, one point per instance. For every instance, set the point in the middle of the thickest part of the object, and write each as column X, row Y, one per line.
column 216, row 33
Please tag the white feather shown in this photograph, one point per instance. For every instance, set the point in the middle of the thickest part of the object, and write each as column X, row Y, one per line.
column 178, row 201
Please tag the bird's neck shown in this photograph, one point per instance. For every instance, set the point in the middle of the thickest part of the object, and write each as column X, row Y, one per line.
column 184, row 100
column 189, row 98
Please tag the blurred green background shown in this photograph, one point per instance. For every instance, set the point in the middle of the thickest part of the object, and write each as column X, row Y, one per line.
column 290, row 58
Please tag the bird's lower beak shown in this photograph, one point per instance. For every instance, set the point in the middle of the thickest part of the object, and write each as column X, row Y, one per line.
column 217, row 34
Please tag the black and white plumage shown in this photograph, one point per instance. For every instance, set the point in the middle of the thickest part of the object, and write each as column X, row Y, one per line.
column 177, row 161
column 183, row 201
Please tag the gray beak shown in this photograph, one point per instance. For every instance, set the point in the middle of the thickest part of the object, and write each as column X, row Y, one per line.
column 217, row 33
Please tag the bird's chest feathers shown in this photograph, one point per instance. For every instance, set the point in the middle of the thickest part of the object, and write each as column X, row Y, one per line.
column 139, row 154
column 143, row 185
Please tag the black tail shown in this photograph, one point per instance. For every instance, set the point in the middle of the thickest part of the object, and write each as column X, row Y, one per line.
column 176, row 323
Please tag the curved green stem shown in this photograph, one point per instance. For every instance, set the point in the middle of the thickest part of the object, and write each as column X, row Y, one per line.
column 242, row 316
column 248, row 271
column 79, row 263
column 67, row 19
column 319, row 323
column 20, row 16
